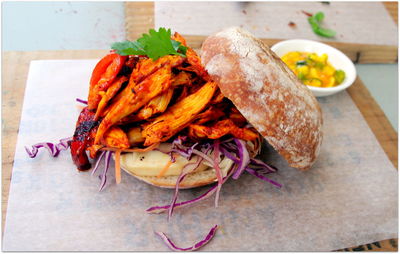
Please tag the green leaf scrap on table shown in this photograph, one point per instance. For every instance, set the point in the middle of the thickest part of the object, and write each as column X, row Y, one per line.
column 315, row 22
column 155, row 44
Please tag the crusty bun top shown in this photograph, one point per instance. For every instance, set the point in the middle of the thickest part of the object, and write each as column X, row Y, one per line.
column 267, row 93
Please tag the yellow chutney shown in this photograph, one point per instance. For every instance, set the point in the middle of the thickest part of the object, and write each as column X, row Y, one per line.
column 313, row 70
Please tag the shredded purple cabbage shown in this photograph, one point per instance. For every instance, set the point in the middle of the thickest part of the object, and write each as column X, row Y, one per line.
column 230, row 146
column 172, row 157
column 161, row 209
column 244, row 158
column 82, row 101
column 204, row 196
column 179, row 148
column 229, row 155
column 217, row 169
column 53, row 149
column 234, row 149
column 255, row 173
column 260, row 164
column 196, row 246
column 204, row 156
column 190, row 167
column 103, row 177
column 98, row 162
column 205, row 148
column 64, row 144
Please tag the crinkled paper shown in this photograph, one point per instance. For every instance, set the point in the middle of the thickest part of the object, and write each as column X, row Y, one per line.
column 348, row 198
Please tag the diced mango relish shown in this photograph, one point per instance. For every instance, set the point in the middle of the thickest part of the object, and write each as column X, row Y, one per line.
column 313, row 70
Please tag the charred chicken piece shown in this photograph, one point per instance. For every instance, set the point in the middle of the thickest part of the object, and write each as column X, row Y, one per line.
column 83, row 138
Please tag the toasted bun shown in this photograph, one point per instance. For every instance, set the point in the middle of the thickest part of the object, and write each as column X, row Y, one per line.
column 267, row 93
column 192, row 180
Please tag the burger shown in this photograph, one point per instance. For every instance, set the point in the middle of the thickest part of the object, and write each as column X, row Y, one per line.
column 174, row 119
column 179, row 120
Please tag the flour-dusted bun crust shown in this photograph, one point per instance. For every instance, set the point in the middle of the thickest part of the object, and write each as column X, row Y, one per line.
column 267, row 93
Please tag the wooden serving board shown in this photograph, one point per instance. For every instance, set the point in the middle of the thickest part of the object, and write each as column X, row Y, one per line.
column 140, row 16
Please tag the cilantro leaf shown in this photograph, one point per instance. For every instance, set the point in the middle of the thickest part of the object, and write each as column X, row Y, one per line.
column 128, row 48
column 325, row 32
column 315, row 21
column 179, row 47
column 155, row 44
column 319, row 16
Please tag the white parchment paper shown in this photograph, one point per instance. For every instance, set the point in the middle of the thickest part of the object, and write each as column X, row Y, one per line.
column 354, row 22
column 348, row 198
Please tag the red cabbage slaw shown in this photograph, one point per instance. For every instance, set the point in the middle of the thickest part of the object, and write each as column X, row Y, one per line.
column 103, row 176
column 234, row 149
column 242, row 161
column 218, row 173
column 81, row 101
column 53, row 149
column 187, row 169
column 196, row 246
column 207, row 194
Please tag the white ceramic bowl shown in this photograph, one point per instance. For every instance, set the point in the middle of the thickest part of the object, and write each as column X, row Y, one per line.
column 335, row 57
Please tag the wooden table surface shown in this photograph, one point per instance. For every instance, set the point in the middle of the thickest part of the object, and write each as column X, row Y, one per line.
column 139, row 18
column 15, row 67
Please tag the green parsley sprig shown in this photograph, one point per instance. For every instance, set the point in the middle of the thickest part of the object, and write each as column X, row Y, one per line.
column 315, row 22
column 155, row 44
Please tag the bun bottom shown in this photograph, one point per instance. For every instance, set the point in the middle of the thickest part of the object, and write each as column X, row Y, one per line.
column 196, row 179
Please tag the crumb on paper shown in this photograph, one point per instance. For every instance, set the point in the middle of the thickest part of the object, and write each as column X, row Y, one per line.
column 292, row 24
column 307, row 13
column 244, row 12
